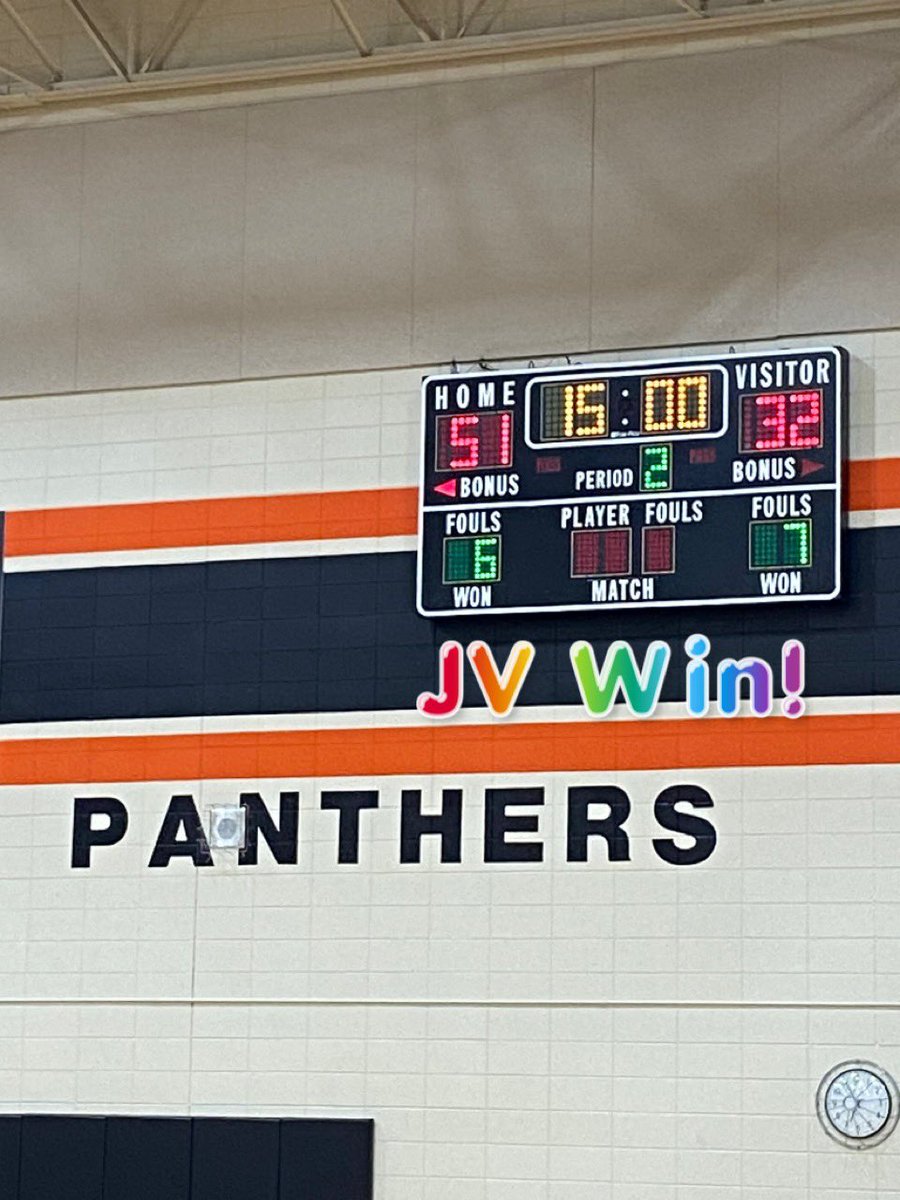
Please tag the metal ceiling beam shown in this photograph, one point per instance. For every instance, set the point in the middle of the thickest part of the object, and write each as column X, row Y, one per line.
column 32, row 39
column 91, row 29
column 352, row 28
column 424, row 28
column 635, row 40
column 9, row 73
column 466, row 22
column 172, row 35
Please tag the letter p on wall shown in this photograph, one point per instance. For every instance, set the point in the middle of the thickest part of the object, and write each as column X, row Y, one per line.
column 86, row 833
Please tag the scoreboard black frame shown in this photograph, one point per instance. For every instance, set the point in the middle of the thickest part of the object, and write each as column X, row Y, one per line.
column 654, row 484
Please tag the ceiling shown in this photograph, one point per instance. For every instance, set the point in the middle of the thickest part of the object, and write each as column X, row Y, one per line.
column 58, row 51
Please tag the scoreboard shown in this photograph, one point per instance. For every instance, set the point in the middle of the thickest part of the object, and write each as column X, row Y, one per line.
column 709, row 480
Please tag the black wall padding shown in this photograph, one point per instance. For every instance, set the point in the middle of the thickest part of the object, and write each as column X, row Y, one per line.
column 309, row 1152
column 62, row 1158
column 147, row 1158
column 10, row 1135
column 341, row 634
column 235, row 1159
column 183, row 1158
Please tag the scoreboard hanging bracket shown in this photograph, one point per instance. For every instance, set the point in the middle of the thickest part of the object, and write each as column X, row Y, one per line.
column 706, row 480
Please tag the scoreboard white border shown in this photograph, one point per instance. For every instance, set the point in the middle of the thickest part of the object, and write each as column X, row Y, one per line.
column 772, row 352
column 630, row 438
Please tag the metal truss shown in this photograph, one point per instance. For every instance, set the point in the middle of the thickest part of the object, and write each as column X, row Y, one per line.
column 25, row 80
column 35, row 80
column 33, row 41
column 352, row 28
column 92, row 29
column 172, row 35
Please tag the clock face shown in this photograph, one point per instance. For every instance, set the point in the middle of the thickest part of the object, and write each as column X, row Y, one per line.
column 857, row 1104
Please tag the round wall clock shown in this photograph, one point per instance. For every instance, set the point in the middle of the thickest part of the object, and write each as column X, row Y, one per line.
column 857, row 1103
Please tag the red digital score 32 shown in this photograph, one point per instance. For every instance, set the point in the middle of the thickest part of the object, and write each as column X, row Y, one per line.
column 781, row 421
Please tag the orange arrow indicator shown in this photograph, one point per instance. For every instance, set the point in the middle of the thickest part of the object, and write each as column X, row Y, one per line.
column 446, row 489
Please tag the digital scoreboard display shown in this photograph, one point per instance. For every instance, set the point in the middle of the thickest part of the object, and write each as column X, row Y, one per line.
column 633, row 485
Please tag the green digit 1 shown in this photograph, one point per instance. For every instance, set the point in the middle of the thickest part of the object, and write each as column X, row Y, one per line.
column 656, row 468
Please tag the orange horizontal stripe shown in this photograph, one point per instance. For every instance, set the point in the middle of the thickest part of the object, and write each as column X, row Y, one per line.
column 464, row 749
column 306, row 516
column 234, row 520
column 873, row 483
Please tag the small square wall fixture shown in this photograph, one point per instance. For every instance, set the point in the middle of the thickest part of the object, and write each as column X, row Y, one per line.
column 227, row 827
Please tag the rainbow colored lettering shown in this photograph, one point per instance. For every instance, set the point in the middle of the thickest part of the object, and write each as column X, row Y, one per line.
column 638, row 684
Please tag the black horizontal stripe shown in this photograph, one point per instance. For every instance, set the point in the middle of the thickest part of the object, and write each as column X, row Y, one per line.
column 341, row 634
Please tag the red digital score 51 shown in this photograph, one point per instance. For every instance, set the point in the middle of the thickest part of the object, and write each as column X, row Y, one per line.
column 474, row 441
column 781, row 421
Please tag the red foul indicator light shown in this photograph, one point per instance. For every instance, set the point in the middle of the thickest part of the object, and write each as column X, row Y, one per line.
column 808, row 467
column 446, row 489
